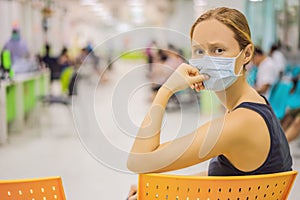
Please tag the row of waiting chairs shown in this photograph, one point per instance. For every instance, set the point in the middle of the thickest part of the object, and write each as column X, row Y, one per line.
column 282, row 98
column 275, row 186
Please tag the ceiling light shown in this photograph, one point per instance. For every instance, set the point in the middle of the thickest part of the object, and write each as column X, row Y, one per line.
column 200, row 3
column 88, row 2
column 135, row 2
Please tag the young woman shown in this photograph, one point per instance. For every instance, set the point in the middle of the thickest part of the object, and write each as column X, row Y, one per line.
column 248, row 139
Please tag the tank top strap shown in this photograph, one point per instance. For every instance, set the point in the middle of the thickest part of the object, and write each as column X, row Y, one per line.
column 255, row 106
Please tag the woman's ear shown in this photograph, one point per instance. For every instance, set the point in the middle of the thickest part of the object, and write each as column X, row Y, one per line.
column 248, row 53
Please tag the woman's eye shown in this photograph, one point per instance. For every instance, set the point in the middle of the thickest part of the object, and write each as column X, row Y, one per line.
column 219, row 51
column 198, row 52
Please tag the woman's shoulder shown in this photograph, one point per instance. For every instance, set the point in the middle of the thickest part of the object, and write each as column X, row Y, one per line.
column 247, row 118
column 249, row 111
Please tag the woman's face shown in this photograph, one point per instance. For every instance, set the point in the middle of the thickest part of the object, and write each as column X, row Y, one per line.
column 213, row 38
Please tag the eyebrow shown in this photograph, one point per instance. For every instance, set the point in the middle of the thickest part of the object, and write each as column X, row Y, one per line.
column 216, row 44
column 196, row 46
column 210, row 44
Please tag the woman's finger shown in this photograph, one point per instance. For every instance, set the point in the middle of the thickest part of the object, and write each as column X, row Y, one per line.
column 198, row 78
column 133, row 197
column 198, row 87
column 202, row 87
column 192, row 70
column 133, row 190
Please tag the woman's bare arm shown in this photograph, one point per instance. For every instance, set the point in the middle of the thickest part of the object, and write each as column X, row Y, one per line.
column 147, row 145
column 148, row 137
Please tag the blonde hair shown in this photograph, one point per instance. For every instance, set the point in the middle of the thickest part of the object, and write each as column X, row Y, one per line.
column 233, row 19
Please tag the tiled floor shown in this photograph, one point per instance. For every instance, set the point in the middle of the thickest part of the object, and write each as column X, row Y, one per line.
column 88, row 147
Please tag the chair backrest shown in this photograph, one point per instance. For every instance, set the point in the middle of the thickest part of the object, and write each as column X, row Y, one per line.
column 279, row 94
column 173, row 187
column 49, row 188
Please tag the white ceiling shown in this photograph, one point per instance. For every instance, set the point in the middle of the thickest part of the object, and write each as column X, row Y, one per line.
column 134, row 12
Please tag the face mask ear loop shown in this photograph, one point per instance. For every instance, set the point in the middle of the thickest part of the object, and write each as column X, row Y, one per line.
column 239, row 53
column 239, row 73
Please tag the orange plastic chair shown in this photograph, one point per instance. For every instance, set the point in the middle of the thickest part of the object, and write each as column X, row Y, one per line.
column 49, row 188
column 174, row 187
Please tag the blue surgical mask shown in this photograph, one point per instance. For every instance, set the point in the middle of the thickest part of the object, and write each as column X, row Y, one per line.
column 221, row 71
column 15, row 36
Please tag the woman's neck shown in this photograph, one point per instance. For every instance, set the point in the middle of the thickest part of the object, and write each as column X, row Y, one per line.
column 239, row 92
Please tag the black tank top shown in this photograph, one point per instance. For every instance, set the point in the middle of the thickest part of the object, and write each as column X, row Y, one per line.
column 279, row 158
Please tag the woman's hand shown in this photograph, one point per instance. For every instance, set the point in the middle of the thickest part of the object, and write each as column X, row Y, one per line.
column 185, row 76
column 132, row 193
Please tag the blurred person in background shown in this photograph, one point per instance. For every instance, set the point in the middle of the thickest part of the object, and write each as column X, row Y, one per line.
column 267, row 73
column 150, row 52
column 291, row 124
column 64, row 60
column 81, row 57
column 278, row 58
column 164, row 63
column 174, row 59
column 158, row 70
column 251, row 74
column 291, row 120
column 20, row 56
column 46, row 57
column 93, row 59
column 89, row 65
column 17, row 47
column 51, row 63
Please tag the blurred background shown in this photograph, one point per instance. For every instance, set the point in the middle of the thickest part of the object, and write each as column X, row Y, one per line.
column 77, row 77
column 75, row 23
